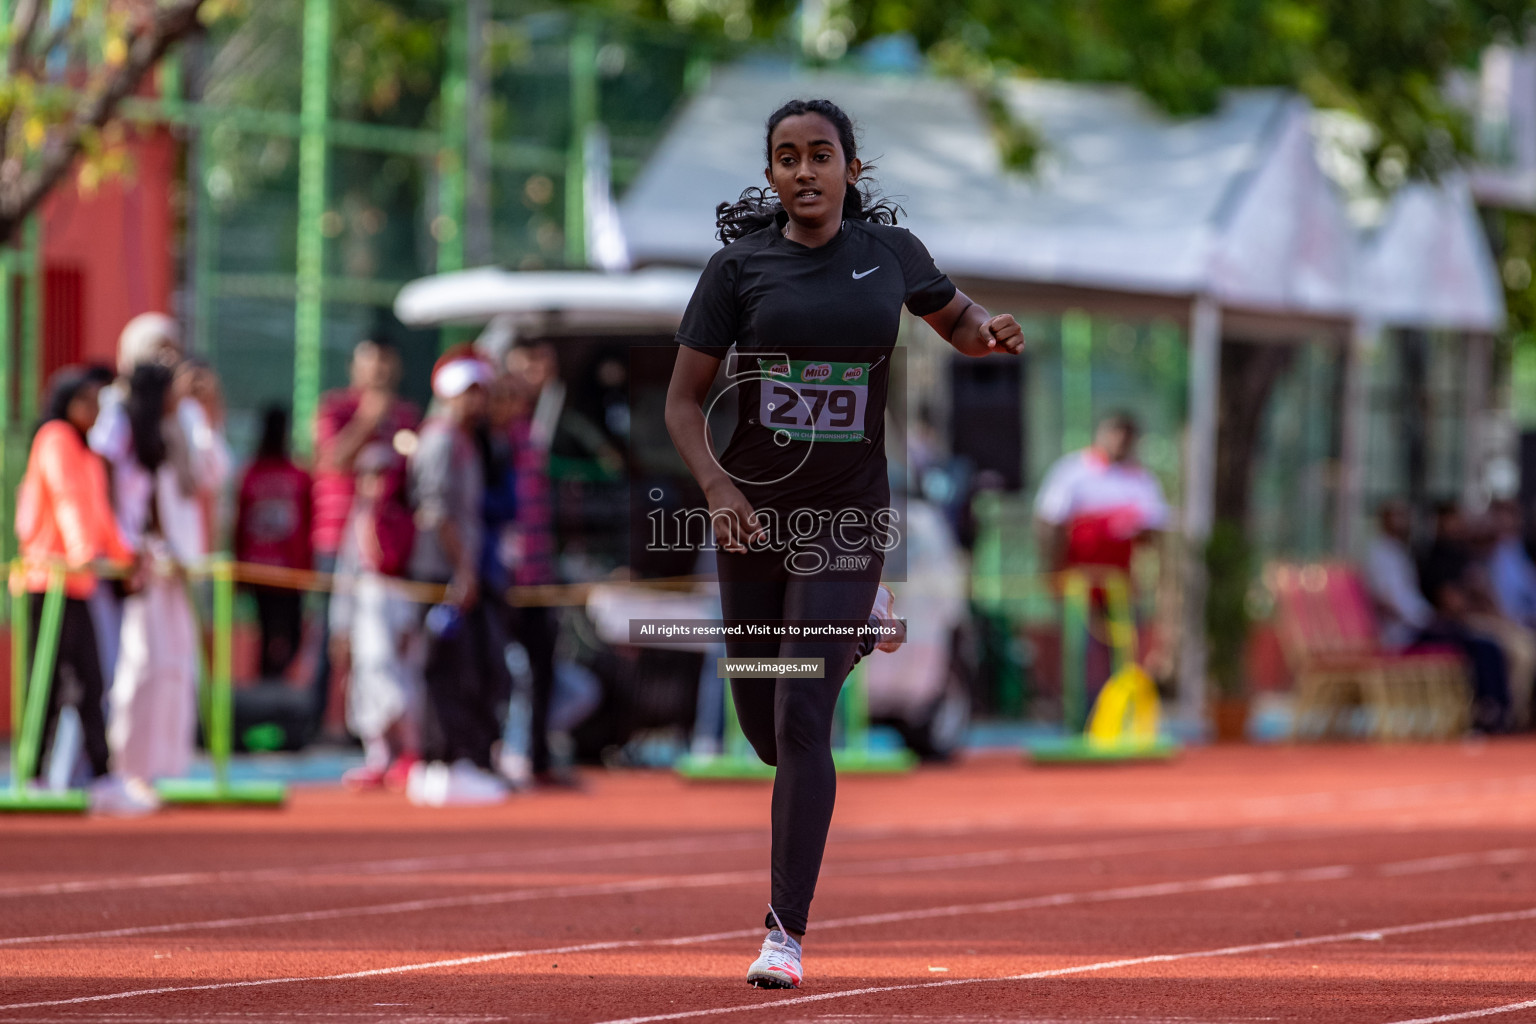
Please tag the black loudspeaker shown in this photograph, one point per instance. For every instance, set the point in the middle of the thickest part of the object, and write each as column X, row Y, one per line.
column 987, row 418
column 272, row 716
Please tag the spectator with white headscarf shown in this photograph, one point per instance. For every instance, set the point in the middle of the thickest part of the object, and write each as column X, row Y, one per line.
column 161, row 434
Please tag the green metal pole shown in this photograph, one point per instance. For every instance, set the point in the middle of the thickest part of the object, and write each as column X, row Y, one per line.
column 7, row 341
column 309, row 309
column 221, row 727
column 204, row 237
column 39, row 690
column 1076, row 379
column 7, row 407
column 448, row 228
column 19, row 658
column 583, row 70
column 31, row 323
column 1074, row 648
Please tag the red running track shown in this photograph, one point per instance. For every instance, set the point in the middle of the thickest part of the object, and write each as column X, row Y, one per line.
column 1359, row 884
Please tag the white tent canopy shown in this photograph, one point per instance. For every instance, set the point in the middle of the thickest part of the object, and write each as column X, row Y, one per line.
column 1429, row 265
column 1123, row 198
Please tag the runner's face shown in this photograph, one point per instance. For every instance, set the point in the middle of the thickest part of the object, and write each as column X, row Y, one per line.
column 809, row 171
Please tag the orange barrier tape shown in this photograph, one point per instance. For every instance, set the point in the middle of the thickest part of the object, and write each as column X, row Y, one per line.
column 255, row 574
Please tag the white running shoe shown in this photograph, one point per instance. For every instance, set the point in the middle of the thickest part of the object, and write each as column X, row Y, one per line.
column 461, row 784
column 885, row 611
column 118, row 797
column 778, row 963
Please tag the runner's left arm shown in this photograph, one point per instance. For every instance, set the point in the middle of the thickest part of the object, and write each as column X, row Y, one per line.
column 975, row 332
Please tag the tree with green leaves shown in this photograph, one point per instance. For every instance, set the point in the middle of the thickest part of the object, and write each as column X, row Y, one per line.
column 69, row 64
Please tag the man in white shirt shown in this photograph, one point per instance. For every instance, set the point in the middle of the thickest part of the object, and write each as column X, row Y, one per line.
column 1097, row 505
column 1393, row 579
column 1407, row 618
column 1093, row 510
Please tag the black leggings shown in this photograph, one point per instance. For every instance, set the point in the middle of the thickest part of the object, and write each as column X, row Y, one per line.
column 76, row 680
column 789, row 721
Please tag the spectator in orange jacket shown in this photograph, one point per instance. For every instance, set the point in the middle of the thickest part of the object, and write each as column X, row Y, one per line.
column 64, row 517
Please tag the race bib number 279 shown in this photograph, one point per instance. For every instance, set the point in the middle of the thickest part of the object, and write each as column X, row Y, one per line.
column 814, row 401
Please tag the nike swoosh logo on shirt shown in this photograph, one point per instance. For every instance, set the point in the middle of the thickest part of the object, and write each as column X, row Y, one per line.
column 859, row 277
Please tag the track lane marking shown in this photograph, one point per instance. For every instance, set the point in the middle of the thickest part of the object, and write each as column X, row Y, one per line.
column 1456, row 860
column 1470, row 1014
column 1369, row 935
column 899, row 865
column 402, row 865
column 1211, row 884
column 409, row 906
column 1380, row 798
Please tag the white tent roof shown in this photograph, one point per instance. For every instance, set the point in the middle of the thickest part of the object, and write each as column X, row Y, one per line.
column 1122, row 199
column 1429, row 264
column 1232, row 205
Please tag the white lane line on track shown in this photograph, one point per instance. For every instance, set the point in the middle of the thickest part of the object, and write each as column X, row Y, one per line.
column 1215, row 884
column 899, row 865
column 412, row 906
column 405, row 865
column 1471, row 1014
column 1457, row 860
column 1372, row 935
column 1255, row 808
column 1038, row 854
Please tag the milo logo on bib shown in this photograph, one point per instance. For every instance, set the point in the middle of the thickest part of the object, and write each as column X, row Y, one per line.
column 814, row 401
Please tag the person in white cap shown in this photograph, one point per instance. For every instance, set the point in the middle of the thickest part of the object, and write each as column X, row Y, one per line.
column 160, row 433
column 465, row 674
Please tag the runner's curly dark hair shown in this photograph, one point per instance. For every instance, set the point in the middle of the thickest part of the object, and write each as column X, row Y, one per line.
column 757, row 207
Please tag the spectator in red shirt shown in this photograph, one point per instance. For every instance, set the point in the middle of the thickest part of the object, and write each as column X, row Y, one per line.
column 272, row 528
column 369, row 410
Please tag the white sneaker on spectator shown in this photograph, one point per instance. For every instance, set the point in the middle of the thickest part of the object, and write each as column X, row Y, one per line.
column 122, row 798
column 460, row 785
column 469, row 784
column 426, row 782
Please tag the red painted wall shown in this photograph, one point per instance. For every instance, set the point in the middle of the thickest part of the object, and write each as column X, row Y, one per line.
column 110, row 252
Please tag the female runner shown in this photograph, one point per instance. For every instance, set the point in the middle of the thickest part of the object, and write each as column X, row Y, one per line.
column 809, row 288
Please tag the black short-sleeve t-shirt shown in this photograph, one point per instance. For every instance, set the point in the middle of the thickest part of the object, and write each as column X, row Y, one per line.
column 813, row 330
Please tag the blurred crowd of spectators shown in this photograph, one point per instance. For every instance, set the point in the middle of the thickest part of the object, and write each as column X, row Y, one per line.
column 1469, row 584
column 418, row 524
